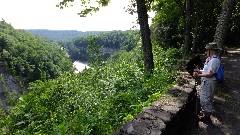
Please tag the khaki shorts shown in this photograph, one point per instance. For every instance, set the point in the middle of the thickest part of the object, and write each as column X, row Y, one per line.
column 207, row 94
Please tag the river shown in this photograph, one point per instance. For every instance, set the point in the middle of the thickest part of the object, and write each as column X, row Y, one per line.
column 80, row 66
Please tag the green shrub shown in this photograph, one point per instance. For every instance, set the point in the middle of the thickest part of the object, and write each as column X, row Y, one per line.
column 96, row 101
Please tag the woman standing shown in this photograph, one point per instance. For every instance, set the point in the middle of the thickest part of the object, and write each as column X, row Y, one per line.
column 208, row 81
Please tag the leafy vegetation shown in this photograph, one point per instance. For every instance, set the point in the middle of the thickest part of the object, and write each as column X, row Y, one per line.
column 96, row 101
column 234, row 30
column 169, row 23
column 29, row 56
column 100, row 99
column 109, row 43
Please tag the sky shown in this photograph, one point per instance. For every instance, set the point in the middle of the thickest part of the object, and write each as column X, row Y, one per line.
column 43, row 14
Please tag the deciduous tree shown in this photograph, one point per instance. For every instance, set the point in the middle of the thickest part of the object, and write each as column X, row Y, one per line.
column 187, row 39
column 145, row 34
column 224, row 21
column 143, row 22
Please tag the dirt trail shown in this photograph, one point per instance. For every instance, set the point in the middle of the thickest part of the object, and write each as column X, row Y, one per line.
column 226, row 115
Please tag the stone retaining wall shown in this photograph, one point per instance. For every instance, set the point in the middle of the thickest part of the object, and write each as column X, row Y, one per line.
column 168, row 115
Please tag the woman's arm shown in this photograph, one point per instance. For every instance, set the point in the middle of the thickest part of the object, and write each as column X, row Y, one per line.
column 208, row 75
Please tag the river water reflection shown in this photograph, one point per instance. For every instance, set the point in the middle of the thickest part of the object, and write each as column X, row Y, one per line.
column 80, row 66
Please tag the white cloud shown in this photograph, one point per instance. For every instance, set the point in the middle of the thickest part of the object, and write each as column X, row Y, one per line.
column 43, row 14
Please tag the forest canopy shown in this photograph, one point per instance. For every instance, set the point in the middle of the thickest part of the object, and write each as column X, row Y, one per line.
column 108, row 43
column 29, row 56
column 169, row 24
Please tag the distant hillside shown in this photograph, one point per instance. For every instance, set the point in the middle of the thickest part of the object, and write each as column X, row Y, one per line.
column 108, row 43
column 26, row 55
column 60, row 35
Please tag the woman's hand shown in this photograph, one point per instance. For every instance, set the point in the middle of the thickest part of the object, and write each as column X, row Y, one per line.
column 196, row 70
column 195, row 74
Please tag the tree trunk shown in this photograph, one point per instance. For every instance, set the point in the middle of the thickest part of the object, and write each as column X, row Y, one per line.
column 187, row 40
column 145, row 34
column 195, row 33
column 224, row 21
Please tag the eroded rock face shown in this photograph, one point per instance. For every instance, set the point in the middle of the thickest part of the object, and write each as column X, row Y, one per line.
column 8, row 85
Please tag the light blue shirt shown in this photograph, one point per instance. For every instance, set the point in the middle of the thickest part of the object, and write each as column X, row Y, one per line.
column 211, row 64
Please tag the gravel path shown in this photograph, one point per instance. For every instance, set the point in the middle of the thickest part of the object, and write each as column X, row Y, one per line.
column 226, row 115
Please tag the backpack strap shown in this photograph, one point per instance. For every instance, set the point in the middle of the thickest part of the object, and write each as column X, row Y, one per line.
column 216, row 56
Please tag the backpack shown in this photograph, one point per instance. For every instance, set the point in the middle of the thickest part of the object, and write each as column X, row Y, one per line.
column 220, row 73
